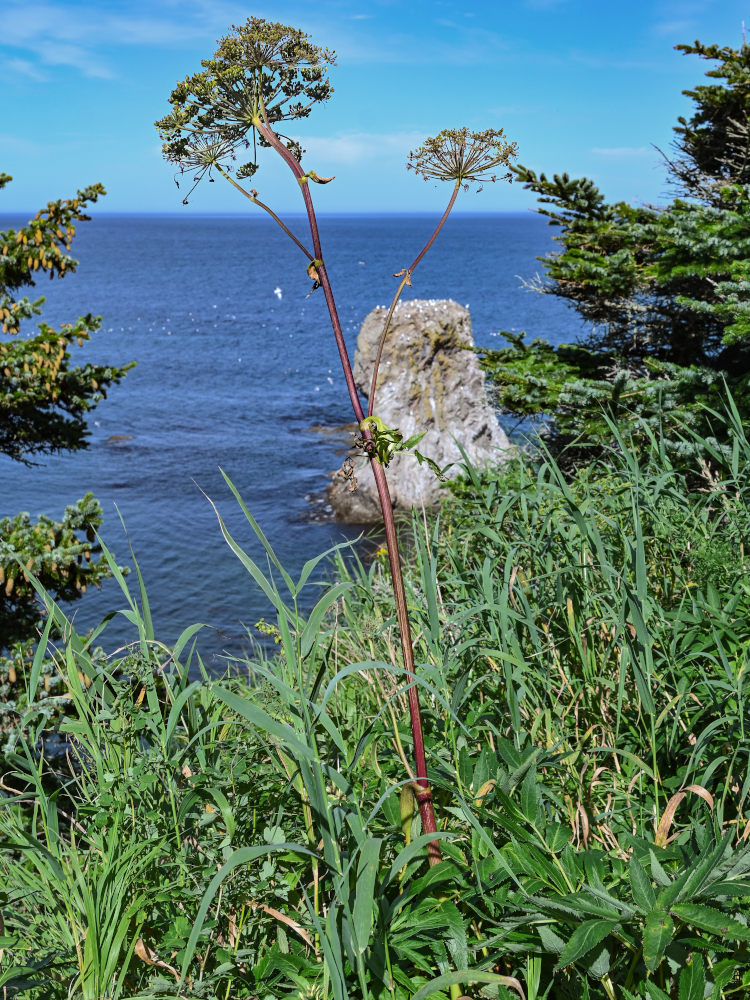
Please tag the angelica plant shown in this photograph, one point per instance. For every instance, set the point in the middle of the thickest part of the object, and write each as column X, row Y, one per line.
column 262, row 75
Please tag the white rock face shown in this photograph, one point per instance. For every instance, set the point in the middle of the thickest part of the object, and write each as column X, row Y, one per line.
column 428, row 381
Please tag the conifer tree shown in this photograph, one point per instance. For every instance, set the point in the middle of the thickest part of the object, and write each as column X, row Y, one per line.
column 44, row 401
column 666, row 289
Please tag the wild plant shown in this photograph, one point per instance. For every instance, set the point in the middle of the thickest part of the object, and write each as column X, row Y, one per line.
column 592, row 785
column 113, row 824
column 597, row 637
column 581, row 644
column 262, row 75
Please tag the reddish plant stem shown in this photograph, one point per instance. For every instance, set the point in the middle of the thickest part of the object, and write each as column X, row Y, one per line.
column 261, row 204
column 296, row 168
column 406, row 280
column 424, row 796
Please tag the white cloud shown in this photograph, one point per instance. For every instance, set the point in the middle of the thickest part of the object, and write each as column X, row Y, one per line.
column 501, row 110
column 450, row 43
column 25, row 147
column 544, row 4
column 77, row 35
column 27, row 24
column 673, row 29
column 360, row 147
column 57, row 53
column 24, row 67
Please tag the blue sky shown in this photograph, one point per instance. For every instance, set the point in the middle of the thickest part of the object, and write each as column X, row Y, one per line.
column 583, row 86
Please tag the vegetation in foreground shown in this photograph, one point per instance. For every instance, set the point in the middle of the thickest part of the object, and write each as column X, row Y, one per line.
column 261, row 75
column 581, row 651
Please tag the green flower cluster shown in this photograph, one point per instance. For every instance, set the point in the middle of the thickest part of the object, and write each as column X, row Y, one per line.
column 262, row 73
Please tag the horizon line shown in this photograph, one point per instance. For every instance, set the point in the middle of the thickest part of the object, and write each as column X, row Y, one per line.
column 297, row 214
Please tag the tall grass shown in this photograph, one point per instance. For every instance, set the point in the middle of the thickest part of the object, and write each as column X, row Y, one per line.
column 581, row 647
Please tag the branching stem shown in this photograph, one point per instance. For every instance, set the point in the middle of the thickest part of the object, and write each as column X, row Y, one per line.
column 424, row 796
column 406, row 280
column 256, row 201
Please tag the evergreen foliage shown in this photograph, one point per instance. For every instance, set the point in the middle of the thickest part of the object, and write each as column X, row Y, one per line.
column 44, row 400
column 667, row 289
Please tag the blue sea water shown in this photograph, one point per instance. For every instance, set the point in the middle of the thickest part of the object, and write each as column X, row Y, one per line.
column 232, row 375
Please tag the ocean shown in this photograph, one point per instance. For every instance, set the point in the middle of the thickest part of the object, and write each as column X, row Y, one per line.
column 237, row 369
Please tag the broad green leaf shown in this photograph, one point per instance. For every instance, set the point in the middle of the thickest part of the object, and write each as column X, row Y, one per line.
column 708, row 919
column 585, row 937
column 643, row 891
column 657, row 872
column 655, row 993
column 692, row 879
column 455, row 936
column 597, row 962
column 734, row 889
column 693, row 980
column 656, row 936
column 699, row 874
column 551, row 941
column 615, row 906
column 722, row 973
column 556, row 836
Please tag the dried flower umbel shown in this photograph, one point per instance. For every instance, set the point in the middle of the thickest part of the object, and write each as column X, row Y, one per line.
column 202, row 154
column 458, row 154
column 461, row 156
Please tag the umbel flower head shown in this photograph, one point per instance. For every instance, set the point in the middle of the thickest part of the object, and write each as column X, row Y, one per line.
column 458, row 154
column 198, row 154
column 261, row 73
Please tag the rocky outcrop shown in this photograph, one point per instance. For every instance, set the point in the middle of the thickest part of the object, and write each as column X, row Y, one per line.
column 428, row 381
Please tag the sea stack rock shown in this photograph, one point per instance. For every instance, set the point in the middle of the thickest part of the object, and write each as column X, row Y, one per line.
column 427, row 381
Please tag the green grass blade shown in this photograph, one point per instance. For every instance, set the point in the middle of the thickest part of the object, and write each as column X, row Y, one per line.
column 363, row 911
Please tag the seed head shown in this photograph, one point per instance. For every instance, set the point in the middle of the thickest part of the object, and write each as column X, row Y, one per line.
column 199, row 151
column 261, row 71
column 459, row 154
